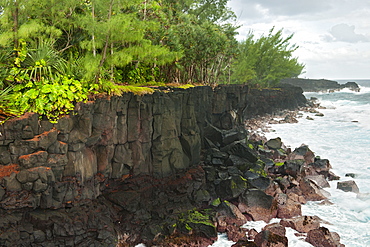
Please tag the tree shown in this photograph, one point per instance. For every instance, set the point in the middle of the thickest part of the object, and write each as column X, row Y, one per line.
column 265, row 61
column 199, row 30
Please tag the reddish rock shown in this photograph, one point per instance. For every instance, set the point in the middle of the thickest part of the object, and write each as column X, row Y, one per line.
column 252, row 233
column 258, row 205
column 275, row 228
column 319, row 180
column 289, row 210
column 297, row 198
column 270, row 239
column 302, row 224
column 235, row 233
column 311, row 191
column 303, row 153
column 322, row 237
column 244, row 243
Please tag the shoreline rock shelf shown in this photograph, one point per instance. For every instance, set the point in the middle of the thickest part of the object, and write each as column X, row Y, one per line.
column 165, row 169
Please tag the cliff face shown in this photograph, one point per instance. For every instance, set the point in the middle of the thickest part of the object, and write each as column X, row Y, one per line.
column 53, row 175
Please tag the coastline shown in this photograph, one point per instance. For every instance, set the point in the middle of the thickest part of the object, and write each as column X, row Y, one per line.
column 201, row 175
column 257, row 127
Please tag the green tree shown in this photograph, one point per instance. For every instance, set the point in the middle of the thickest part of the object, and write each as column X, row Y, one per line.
column 265, row 61
column 117, row 29
column 199, row 30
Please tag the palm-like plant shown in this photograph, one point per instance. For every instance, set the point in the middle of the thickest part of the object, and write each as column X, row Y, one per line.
column 44, row 62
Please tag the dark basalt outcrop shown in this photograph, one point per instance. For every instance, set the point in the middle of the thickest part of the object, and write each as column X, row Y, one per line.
column 313, row 85
column 162, row 169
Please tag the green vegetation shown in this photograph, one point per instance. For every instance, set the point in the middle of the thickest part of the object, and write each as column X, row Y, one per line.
column 192, row 218
column 55, row 53
column 267, row 60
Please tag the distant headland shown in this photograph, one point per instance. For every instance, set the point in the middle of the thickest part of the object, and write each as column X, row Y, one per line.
column 318, row 85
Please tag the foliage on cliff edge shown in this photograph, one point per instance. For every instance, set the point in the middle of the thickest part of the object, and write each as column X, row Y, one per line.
column 81, row 48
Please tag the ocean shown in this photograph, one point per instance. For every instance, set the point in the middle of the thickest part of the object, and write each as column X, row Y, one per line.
column 342, row 135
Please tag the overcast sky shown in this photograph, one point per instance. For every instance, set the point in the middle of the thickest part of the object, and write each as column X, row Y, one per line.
column 333, row 35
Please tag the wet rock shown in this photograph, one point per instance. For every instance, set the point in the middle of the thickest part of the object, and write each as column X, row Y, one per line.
column 258, row 205
column 268, row 238
column 326, row 203
column 229, row 210
column 235, row 233
column 289, row 209
column 302, row 223
column 319, row 180
column 319, row 167
column 274, row 143
column 348, row 186
column 352, row 175
column 275, row 228
column 352, row 86
column 244, row 243
column 322, row 237
column 303, row 153
column 311, row 191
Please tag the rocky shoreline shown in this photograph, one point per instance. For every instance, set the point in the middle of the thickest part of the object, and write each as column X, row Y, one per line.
column 169, row 169
column 256, row 180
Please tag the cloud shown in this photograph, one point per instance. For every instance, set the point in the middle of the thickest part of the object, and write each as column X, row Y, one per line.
column 329, row 49
column 345, row 33
column 252, row 9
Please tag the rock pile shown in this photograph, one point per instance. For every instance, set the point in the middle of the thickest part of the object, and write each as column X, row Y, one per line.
column 261, row 180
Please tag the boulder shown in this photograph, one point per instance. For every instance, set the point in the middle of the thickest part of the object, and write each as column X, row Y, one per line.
column 231, row 188
column 292, row 167
column 322, row 237
column 311, row 191
column 289, row 209
column 274, row 143
column 244, row 243
column 319, row 166
column 258, row 205
column 302, row 223
column 268, row 238
column 348, row 186
column 232, row 212
column 260, row 182
column 235, row 232
column 319, row 180
column 352, row 175
column 242, row 150
column 275, row 228
column 302, row 153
